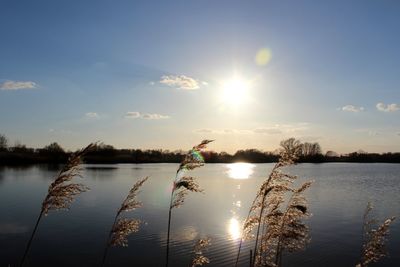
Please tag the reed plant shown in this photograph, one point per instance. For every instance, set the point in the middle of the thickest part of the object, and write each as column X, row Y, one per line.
column 373, row 239
column 62, row 191
column 274, row 226
column 182, row 184
column 122, row 227
column 198, row 257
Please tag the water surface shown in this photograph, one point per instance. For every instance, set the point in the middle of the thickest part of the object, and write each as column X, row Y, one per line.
column 77, row 237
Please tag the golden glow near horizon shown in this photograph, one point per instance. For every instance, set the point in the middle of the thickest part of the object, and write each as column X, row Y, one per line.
column 235, row 91
column 240, row 170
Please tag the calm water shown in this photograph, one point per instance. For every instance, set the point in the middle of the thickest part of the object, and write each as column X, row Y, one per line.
column 77, row 237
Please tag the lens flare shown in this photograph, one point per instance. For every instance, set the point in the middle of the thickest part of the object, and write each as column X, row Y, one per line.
column 263, row 57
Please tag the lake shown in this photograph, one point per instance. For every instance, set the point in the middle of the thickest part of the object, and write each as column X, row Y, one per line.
column 77, row 237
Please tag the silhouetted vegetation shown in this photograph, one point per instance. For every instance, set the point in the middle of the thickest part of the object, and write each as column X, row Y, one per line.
column 53, row 153
column 3, row 142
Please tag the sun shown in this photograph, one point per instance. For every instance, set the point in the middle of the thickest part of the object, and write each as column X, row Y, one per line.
column 235, row 91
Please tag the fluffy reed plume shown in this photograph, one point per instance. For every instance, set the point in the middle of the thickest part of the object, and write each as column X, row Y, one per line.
column 182, row 185
column 122, row 227
column 199, row 259
column 284, row 230
column 62, row 191
column 373, row 245
column 265, row 208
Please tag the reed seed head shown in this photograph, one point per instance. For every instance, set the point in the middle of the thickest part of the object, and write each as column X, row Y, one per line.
column 131, row 202
column 62, row 191
column 121, row 229
column 374, row 246
column 199, row 259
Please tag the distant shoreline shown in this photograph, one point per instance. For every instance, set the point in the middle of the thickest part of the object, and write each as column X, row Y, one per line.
column 23, row 160
column 107, row 154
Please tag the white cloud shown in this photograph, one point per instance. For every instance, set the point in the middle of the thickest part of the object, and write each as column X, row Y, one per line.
column 387, row 108
column 154, row 116
column 204, row 131
column 132, row 115
column 369, row 132
column 310, row 138
column 180, row 81
column 351, row 108
column 146, row 116
column 268, row 130
column 277, row 129
column 373, row 133
column 17, row 85
column 152, row 83
column 221, row 131
column 91, row 115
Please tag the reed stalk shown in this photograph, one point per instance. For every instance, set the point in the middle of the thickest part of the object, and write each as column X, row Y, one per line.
column 276, row 184
column 182, row 185
column 198, row 258
column 123, row 227
column 373, row 240
column 62, row 191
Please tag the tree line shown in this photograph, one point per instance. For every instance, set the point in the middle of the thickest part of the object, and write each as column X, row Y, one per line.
column 19, row 154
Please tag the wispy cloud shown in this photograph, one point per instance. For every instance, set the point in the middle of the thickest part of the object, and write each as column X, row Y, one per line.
column 180, row 81
column 146, row 116
column 222, row 131
column 203, row 131
column 132, row 115
column 268, row 130
column 296, row 128
column 369, row 132
column 351, row 108
column 17, row 85
column 310, row 138
column 387, row 108
column 154, row 116
column 92, row 115
column 53, row 131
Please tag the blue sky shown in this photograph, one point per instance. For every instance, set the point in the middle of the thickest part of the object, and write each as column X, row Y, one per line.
column 156, row 74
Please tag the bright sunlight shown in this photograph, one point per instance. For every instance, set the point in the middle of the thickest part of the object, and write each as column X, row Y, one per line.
column 235, row 91
column 240, row 170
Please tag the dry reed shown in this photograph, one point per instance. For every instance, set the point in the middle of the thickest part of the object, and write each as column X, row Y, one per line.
column 182, row 185
column 268, row 222
column 122, row 227
column 62, row 191
column 198, row 258
column 373, row 240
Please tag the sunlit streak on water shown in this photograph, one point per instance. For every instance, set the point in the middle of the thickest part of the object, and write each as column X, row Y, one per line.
column 234, row 229
column 240, row 170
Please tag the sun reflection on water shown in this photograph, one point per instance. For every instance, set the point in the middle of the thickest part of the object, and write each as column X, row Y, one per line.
column 240, row 170
column 234, row 229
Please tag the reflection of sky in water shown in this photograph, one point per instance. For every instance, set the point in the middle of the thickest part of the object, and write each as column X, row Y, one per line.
column 240, row 170
column 12, row 228
column 182, row 234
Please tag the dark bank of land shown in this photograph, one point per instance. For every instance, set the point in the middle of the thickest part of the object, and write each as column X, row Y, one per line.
column 106, row 154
